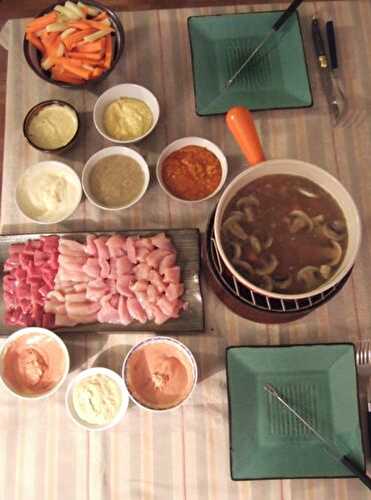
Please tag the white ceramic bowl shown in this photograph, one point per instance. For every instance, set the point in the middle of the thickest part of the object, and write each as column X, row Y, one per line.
column 192, row 141
column 55, row 338
column 89, row 373
column 325, row 181
column 186, row 352
column 72, row 177
column 114, row 150
column 125, row 90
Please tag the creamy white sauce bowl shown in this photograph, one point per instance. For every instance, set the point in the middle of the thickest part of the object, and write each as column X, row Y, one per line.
column 25, row 198
column 85, row 374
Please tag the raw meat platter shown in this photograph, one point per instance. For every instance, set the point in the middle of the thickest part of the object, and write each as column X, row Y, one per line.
column 137, row 280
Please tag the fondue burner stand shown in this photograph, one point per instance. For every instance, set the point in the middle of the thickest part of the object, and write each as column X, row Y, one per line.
column 247, row 303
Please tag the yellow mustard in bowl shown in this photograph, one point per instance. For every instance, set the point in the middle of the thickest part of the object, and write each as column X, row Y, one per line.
column 127, row 119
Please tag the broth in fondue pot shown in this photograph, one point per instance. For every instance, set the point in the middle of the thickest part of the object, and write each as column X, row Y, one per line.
column 284, row 233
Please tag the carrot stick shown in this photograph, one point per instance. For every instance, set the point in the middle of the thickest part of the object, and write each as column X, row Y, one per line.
column 97, row 72
column 108, row 54
column 71, row 40
column 93, row 56
column 101, row 17
column 91, row 47
column 81, row 25
column 35, row 41
column 66, row 77
column 79, row 72
column 41, row 22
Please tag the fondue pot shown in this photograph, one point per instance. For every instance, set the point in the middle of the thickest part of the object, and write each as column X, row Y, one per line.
column 240, row 123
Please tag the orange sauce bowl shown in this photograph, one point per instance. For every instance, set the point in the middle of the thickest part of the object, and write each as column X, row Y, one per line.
column 192, row 169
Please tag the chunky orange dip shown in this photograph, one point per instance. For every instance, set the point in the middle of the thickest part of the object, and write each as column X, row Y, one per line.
column 191, row 173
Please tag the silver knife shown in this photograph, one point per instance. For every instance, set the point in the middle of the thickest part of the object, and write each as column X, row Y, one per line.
column 339, row 90
column 329, row 447
column 325, row 72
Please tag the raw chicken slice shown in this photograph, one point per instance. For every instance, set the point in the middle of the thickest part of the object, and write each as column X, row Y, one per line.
column 168, row 261
column 75, row 297
column 170, row 308
column 159, row 316
column 162, row 241
column 90, row 247
column 136, row 311
column 87, row 319
column 144, row 243
column 123, row 283
column 124, row 315
column 108, row 314
column 142, row 271
column 72, row 259
column 174, row 290
column 131, row 249
column 102, row 249
column 152, row 294
column 139, row 286
column 57, row 295
column 172, row 275
column 156, row 256
column 156, row 280
column 146, row 305
column 63, row 320
column 116, row 245
column 71, row 247
column 82, row 308
column 92, row 267
column 105, row 268
column 123, row 265
column 142, row 254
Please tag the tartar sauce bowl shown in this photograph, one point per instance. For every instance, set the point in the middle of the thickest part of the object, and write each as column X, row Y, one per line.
column 103, row 153
column 130, row 90
column 192, row 141
column 84, row 376
column 36, row 193
column 40, row 108
column 32, row 333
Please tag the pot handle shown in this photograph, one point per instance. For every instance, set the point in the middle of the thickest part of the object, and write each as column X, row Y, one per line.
column 240, row 122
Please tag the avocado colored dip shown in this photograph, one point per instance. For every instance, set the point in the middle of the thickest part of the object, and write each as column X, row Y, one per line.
column 127, row 119
column 52, row 127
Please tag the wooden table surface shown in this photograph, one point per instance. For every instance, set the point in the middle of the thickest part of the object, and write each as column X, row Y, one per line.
column 199, row 468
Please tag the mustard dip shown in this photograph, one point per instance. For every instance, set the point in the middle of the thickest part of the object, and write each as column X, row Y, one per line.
column 127, row 119
column 97, row 399
column 52, row 127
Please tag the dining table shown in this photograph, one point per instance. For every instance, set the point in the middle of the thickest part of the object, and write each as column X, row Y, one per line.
column 183, row 454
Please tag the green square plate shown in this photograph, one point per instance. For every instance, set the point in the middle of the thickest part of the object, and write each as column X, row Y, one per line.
column 277, row 78
column 320, row 382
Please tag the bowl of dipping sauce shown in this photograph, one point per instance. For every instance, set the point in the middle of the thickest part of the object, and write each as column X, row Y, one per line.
column 126, row 113
column 192, row 169
column 34, row 363
column 51, row 126
column 115, row 178
column 96, row 399
column 48, row 192
column 160, row 373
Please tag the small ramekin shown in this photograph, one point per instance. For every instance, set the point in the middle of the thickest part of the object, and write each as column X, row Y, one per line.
column 26, row 331
column 89, row 373
column 192, row 141
column 114, row 150
column 58, row 166
column 125, row 90
column 185, row 351
column 35, row 110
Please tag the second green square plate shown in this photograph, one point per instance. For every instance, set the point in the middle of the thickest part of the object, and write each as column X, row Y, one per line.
column 320, row 382
column 277, row 78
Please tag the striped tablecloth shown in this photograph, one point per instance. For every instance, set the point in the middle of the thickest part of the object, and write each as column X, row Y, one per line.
column 183, row 455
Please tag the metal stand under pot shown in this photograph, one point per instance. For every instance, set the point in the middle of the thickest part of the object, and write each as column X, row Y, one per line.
column 251, row 305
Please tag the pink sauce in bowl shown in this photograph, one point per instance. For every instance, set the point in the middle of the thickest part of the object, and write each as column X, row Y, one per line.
column 34, row 363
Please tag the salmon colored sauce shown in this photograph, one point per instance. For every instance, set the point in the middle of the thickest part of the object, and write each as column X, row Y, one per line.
column 191, row 173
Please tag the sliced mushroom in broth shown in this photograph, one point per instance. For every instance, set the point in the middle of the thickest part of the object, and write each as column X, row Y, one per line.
column 285, row 234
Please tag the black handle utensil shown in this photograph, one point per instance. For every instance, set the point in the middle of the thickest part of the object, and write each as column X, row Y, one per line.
column 331, row 41
column 319, row 45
